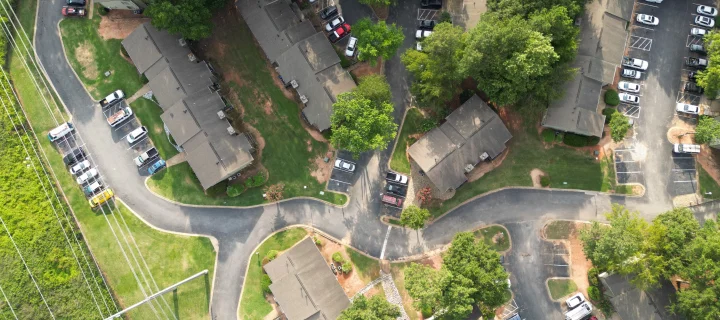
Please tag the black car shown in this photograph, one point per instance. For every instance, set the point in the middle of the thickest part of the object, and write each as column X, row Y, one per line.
column 328, row 13
column 692, row 76
column 75, row 2
column 431, row 4
column 426, row 24
column 698, row 48
column 693, row 88
column 74, row 156
column 396, row 189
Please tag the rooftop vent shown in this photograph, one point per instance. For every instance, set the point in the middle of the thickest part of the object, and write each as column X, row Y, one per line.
column 294, row 84
column 304, row 99
column 231, row 131
column 221, row 114
column 484, row 156
column 191, row 57
column 469, row 168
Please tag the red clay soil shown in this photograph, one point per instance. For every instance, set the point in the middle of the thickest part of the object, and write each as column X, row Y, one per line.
column 708, row 160
column 118, row 24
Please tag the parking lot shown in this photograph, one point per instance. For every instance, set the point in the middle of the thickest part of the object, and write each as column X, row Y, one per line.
column 628, row 166
column 683, row 175
column 120, row 132
column 341, row 180
column 554, row 258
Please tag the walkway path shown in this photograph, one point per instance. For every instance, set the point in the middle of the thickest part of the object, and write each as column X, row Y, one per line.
column 392, row 294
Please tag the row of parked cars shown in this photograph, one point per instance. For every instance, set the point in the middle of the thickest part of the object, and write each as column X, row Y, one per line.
column 395, row 189
column 633, row 69
column 337, row 29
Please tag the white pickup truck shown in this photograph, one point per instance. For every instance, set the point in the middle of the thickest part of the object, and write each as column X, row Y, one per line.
column 686, row 148
column 119, row 116
column 145, row 156
column 635, row 63
column 112, row 98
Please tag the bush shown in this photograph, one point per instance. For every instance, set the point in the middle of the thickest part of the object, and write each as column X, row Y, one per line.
column 271, row 255
column 466, row 94
column 544, row 181
column 608, row 112
column 265, row 284
column 559, row 137
column 445, row 17
column 606, row 307
column 257, row 180
column 337, row 257
column 612, row 98
column 426, row 312
column 235, row 190
column 347, row 267
column 427, row 125
column 274, row 192
column 317, row 241
column 594, row 293
column 593, row 277
column 575, row 140
column 548, row 135
column 591, row 141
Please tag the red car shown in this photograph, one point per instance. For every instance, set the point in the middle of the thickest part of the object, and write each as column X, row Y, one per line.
column 73, row 11
column 339, row 33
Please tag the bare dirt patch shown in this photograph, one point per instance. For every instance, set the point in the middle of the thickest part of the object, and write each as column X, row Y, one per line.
column 351, row 282
column 579, row 264
column 485, row 167
column 434, row 261
column 258, row 138
column 86, row 57
column 511, row 118
column 680, row 135
column 320, row 169
column 536, row 174
column 118, row 24
column 362, row 69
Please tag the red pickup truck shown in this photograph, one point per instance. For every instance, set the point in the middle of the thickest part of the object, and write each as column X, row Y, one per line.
column 393, row 201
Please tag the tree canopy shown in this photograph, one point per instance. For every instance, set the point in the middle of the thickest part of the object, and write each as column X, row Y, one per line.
column 374, row 87
column 359, row 125
column 707, row 130
column 619, row 125
column 377, row 40
column 700, row 300
column 375, row 308
column 709, row 79
column 190, row 18
column 523, row 8
column 425, row 285
column 414, row 217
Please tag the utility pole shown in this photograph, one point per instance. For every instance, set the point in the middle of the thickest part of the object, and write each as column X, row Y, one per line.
column 157, row 294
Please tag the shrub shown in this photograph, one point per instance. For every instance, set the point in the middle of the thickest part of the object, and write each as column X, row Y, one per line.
column 608, row 112
column 594, row 293
column 337, row 257
column 612, row 98
column 424, row 195
column 548, row 135
column 271, row 255
column 235, row 190
column 264, row 261
column 427, row 125
column 347, row 267
column 544, row 181
column 255, row 181
column 591, row 141
column 265, row 284
column 445, row 17
column 559, row 137
column 426, row 312
column 274, row 192
column 317, row 241
column 606, row 307
column 575, row 140
column 593, row 277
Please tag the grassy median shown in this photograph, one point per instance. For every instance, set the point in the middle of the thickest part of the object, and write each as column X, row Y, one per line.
column 412, row 125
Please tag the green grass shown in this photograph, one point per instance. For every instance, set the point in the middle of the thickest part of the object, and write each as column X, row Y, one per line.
column 412, row 125
column 558, row 229
column 367, row 268
column 609, row 184
column 707, row 184
column 398, row 273
column 487, row 234
column 567, row 168
column 83, row 44
column 149, row 114
column 395, row 222
column 561, row 287
column 289, row 150
column 253, row 304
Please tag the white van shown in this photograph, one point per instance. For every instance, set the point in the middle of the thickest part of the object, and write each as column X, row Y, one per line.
column 60, row 131
column 580, row 312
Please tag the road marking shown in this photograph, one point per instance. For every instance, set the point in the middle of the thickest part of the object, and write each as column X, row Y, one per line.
column 127, row 121
column 685, row 181
column 387, row 235
column 340, row 181
column 630, row 172
column 136, row 142
column 626, row 161
column 645, row 4
column 641, row 43
column 646, row 28
column 683, row 169
column 556, row 265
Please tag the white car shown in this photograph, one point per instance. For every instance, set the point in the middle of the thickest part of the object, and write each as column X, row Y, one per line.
column 575, row 301
column 136, row 135
column 629, row 86
column 420, row 34
column 87, row 176
column 687, row 108
column 654, row 1
column 698, row 32
column 707, row 10
column 629, row 98
column 647, row 19
column 705, row 21
column 632, row 74
column 351, row 48
column 344, row 165
column 82, row 165
column 334, row 23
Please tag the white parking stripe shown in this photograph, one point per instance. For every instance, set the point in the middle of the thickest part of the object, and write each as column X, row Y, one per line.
column 683, row 169
column 685, row 181
column 645, row 4
column 387, row 235
column 340, row 181
column 136, row 143
column 630, row 172
column 127, row 121
column 646, row 28
column 626, row 161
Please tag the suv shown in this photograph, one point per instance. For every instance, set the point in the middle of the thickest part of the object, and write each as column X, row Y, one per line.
column 431, row 4
column 396, row 189
column 328, row 12
column 693, row 88
column 698, row 48
column 75, row 2
column 426, row 24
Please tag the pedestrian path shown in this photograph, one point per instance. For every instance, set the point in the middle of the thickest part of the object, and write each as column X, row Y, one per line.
column 367, row 288
column 392, row 294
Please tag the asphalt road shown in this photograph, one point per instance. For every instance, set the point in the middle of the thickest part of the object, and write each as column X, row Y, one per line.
column 239, row 230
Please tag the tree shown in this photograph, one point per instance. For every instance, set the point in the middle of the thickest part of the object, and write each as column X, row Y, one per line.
column 190, row 18
column 375, row 308
column 377, row 40
column 510, row 8
column 457, row 300
column 619, row 126
column 375, row 88
column 360, row 125
column 707, row 130
column 709, row 79
column 557, row 24
column 436, row 68
column 425, row 285
column 382, row 3
column 668, row 237
column 414, row 217
column 700, row 300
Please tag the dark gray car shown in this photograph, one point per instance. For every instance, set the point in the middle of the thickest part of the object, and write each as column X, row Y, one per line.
column 328, row 13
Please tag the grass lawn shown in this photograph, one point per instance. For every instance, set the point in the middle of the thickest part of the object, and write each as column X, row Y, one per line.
column 367, row 268
column 398, row 273
column 567, row 168
column 253, row 304
column 289, row 150
column 412, row 125
column 609, row 184
column 149, row 114
column 707, row 184
column 487, row 234
column 91, row 56
column 561, row 287
column 559, row 229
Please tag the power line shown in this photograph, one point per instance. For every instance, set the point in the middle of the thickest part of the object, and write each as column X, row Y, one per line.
column 8, row 303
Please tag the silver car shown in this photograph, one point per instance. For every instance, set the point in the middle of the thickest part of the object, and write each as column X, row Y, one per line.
column 344, row 165
column 82, row 165
column 629, row 98
column 629, row 86
column 136, row 135
column 87, row 176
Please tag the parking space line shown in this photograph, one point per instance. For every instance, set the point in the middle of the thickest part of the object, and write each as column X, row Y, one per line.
column 136, row 142
column 691, row 39
column 683, row 169
column 557, row 265
column 426, row 14
column 646, row 28
column 685, row 181
column 641, row 43
column 340, row 181
column 631, row 172
column 645, row 4
column 127, row 121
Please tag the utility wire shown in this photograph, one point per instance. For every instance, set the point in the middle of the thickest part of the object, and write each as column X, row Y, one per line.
column 8, row 303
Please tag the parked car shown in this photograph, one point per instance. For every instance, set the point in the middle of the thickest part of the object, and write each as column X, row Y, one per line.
column 344, row 165
column 693, row 88
column 647, row 19
column 157, row 166
column 396, row 178
column 422, row 34
column 91, row 188
column 696, row 63
column 687, row 108
column 698, row 48
column 632, row 74
column 635, row 63
column 136, row 134
column 75, row 2
column 426, row 24
column 101, row 198
column 698, row 32
column 705, row 21
column 692, row 75
column 686, row 148
column 72, row 11
column 339, row 33
column 330, row 26
column 629, row 98
column 392, row 200
column 654, row 1
column 60, row 131
column 629, row 86
column 112, row 98
column 119, row 116
column 351, row 48
column 581, row 312
column 92, row 173
column 575, row 301
column 72, row 157
column 79, row 167
column 328, row 12
column 395, row 189
column 707, row 10
column 431, row 4
column 145, row 156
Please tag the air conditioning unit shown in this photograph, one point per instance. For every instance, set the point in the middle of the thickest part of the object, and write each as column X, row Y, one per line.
column 484, row 156
column 182, row 42
column 191, row 57
column 294, row 84
column 221, row 114
column 231, row 131
column 469, row 168
column 304, row 99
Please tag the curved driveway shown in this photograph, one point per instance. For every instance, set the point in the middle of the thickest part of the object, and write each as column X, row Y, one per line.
column 239, row 230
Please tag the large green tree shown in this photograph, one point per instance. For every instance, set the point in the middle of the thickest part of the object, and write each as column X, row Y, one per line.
column 619, row 126
column 557, row 23
column 426, row 286
column 358, row 124
column 190, row 18
column 709, row 79
column 707, row 130
column 702, row 299
column 436, row 68
column 523, row 8
column 414, row 217
column 668, row 236
column 375, row 88
column 375, row 308
column 377, row 40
